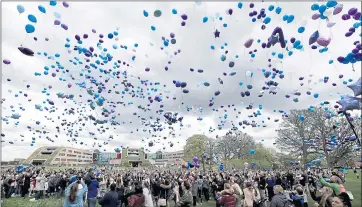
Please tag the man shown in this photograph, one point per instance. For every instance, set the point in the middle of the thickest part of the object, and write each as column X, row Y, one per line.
column 92, row 191
column 111, row 198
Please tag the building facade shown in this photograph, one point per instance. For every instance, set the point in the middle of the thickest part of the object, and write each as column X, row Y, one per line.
column 65, row 156
column 134, row 157
column 167, row 158
column 105, row 158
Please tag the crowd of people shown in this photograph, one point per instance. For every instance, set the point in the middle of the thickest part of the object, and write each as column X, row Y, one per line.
column 138, row 187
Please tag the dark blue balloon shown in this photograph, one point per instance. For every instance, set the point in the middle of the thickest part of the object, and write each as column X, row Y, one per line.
column 32, row 18
column 41, row 9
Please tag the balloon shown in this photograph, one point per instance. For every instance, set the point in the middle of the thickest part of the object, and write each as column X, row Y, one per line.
column 277, row 36
column 29, row 28
column 252, row 151
column 20, row 8
column 313, row 38
column 157, row 13
column 315, row 16
column 248, row 43
column 52, row 3
column 41, row 9
column 205, row 19
column 6, row 62
column 240, row 5
column 322, row 8
column 331, row 3
column 145, row 13
column 290, row 19
column 32, row 18
column 26, row 51
column 195, row 159
column 352, row 11
column 328, row 12
column 356, row 87
column 338, row 9
column 323, row 41
column 249, row 73
column 349, row 103
column 315, row 7
column 267, row 20
column 330, row 24
column 301, row 29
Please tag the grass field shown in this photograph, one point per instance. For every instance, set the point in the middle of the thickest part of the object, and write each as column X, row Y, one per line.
column 353, row 184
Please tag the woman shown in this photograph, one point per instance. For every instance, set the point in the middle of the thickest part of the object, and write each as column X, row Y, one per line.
column 237, row 194
column 147, row 194
column 186, row 199
column 325, row 200
column 164, row 193
column 249, row 194
column 227, row 196
column 137, row 199
column 342, row 200
column 279, row 198
column 74, row 195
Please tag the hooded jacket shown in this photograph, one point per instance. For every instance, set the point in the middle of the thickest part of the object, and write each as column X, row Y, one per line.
column 227, row 199
column 279, row 200
column 136, row 200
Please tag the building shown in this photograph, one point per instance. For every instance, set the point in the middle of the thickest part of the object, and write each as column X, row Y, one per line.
column 65, row 156
column 134, row 157
column 167, row 158
column 106, row 158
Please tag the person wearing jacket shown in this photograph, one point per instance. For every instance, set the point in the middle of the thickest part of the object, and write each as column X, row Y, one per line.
column 250, row 195
column 205, row 189
column 194, row 189
column 74, row 195
column 270, row 185
column 227, row 196
column 61, row 185
column 111, row 198
column 279, row 199
column 147, row 194
column 137, row 199
column 237, row 194
column 92, row 192
column 335, row 184
column 187, row 199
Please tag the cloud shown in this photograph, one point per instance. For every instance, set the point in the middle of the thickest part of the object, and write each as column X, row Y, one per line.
column 194, row 41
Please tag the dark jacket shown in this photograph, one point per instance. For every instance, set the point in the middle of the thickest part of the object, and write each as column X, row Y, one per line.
column 279, row 200
column 136, row 200
column 110, row 199
column 227, row 200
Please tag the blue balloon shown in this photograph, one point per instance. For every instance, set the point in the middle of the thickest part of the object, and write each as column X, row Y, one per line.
column 53, row 3
column 205, row 19
column 280, row 56
column 240, row 5
column 301, row 29
column 267, row 20
column 29, row 28
column 278, row 10
column 145, row 13
column 315, row 7
column 41, row 9
column 301, row 117
column 331, row 3
column 153, row 28
column 322, row 8
column 290, row 18
column 271, row 8
column 285, row 17
column 174, row 11
column 20, row 8
column 32, row 18
column 252, row 151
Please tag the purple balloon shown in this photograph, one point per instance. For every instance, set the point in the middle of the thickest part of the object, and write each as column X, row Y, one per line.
column 64, row 26
column 348, row 34
column 314, row 47
column 358, row 56
column 248, row 43
column 316, row 16
column 352, row 29
column 263, row 45
column 273, row 38
column 323, row 41
column 183, row 23
column 357, row 16
column 184, row 17
column 338, row 9
column 56, row 22
column 230, row 11
column 292, row 40
column 6, row 62
column 251, row 5
column 313, row 38
column 341, row 59
column 94, row 31
column 352, row 11
column 85, row 36
column 65, row 4
column 26, row 51
column 346, row 17
column 330, row 24
column 172, row 35
column 196, row 159
column 77, row 37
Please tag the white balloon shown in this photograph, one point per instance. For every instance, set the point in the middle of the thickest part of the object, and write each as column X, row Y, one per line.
column 328, row 12
column 249, row 73
column 303, row 23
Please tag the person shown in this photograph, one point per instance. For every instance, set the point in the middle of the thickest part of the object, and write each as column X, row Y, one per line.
column 199, row 182
column 61, row 185
column 137, row 199
column 74, row 195
column 335, row 183
column 227, row 196
column 270, row 185
column 93, row 186
column 194, row 190
column 186, row 200
column 299, row 197
column 325, row 200
column 342, row 200
column 103, row 186
column 147, row 194
column 250, row 195
column 279, row 199
column 237, row 194
column 164, row 191
column 111, row 198
column 205, row 189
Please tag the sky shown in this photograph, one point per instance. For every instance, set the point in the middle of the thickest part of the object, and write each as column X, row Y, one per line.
column 193, row 40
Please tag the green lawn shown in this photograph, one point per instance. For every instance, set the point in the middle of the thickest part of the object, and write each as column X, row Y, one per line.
column 353, row 184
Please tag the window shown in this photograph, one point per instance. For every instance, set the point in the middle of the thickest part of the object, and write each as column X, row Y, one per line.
column 61, row 154
column 51, row 148
column 63, row 159
column 70, row 151
column 57, row 159
column 46, row 153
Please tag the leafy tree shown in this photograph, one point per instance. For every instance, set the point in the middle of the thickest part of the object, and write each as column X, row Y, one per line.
column 235, row 145
column 195, row 146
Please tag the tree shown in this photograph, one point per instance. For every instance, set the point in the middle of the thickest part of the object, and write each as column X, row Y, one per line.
column 195, row 146
column 235, row 145
column 210, row 149
column 295, row 136
column 317, row 130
